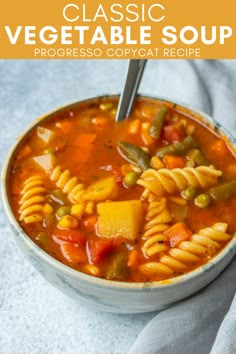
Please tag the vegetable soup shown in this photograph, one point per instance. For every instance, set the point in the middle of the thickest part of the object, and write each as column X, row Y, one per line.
column 145, row 199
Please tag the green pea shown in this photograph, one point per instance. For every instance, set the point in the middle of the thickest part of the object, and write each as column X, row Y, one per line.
column 189, row 193
column 49, row 151
column 202, row 200
column 131, row 179
column 62, row 211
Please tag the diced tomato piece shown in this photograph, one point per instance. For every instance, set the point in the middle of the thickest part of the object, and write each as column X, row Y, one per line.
column 69, row 236
column 119, row 179
column 73, row 252
column 89, row 222
column 98, row 249
column 178, row 233
column 172, row 133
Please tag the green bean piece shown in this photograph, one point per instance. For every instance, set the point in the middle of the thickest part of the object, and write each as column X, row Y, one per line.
column 135, row 154
column 118, row 267
column 224, row 191
column 202, row 200
column 62, row 211
column 189, row 193
column 196, row 156
column 177, row 149
column 131, row 179
column 157, row 123
column 59, row 197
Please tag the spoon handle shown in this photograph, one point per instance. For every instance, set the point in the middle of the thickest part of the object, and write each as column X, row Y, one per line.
column 133, row 78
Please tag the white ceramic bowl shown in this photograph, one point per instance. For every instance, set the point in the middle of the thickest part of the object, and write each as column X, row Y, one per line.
column 113, row 296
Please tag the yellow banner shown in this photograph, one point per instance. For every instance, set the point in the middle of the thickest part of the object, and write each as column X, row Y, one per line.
column 93, row 29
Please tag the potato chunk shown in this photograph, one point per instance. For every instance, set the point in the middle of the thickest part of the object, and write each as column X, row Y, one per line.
column 120, row 219
column 104, row 188
column 45, row 134
column 47, row 161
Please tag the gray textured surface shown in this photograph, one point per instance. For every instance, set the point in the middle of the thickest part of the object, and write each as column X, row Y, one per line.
column 34, row 316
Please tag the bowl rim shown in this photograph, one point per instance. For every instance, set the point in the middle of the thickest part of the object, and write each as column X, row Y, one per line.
column 86, row 278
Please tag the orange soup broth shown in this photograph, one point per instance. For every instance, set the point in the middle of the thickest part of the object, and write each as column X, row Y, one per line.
column 103, row 159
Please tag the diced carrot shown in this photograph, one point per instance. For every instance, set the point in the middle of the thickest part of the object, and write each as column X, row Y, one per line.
column 134, row 126
column 73, row 252
column 220, row 148
column 177, row 233
column 172, row 133
column 174, row 162
column 89, row 222
column 65, row 126
column 69, row 236
column 98, row 249
column 147, row 139
column 133, row 259
column 24, row 152
column 85, row 144
column 100, row 121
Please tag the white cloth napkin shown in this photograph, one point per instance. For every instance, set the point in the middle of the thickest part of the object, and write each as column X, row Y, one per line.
column 205, row 322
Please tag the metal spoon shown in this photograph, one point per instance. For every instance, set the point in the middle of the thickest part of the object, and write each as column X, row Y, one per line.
column 133, row 78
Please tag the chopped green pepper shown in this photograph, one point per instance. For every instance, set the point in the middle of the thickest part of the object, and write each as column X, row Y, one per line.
column 224, row 191
column 118, row 267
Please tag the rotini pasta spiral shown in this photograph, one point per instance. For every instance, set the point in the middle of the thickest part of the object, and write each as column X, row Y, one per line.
column 158, row 217
column 33, row 201
column 69, row 185
column 72, row 188
column 169, row 181
column 189, row 252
